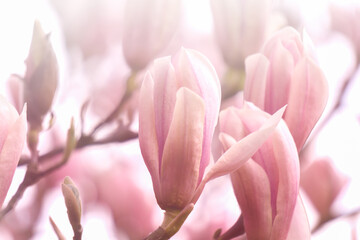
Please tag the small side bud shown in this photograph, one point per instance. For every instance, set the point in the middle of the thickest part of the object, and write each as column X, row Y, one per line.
column 73, row 205
column 41, row 77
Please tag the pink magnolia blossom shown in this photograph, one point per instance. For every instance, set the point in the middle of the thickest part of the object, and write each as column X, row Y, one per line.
column 41, row 77
column 240, row 27
column 178, row 111
column 267, row 185
column 285, row 72
column 12, row 139
column 322, row 183
column 148, row 27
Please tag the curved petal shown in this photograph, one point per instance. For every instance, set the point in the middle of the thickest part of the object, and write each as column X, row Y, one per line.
column 182, row 151
column 8, row 116
column 308, row 97
column 165, row 88
column 229, row 123
column 194, row 71
column 252, row 190
column 278, row 85
column 287, row 160
column 240, row 152
column 147, row 132
column 257, row 67
column 10, row 153
column 299, row 226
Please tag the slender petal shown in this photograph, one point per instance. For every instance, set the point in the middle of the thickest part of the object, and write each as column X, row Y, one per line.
column 285, row 153
column 165, row 87
column 278, row 85
column 8, row 116
column 257, row 67
column 252, row 190
column 147, row 132
column 182, row 150
column 195, row 72
column 308, row 84
column 10, row 153
column 299, row 226
column 242, row 151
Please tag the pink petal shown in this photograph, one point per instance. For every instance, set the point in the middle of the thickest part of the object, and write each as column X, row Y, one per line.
column 8, row 116
column 182, row 151
column 252, row 190
column 307, row 100
column 147, row 131
column 278, row 84
column 287, row 161
column 299, row 226
column 240, row 152
column 165, row 87
column 10, row 153
column 194, row 71
column 229, row 123
column 257, row 67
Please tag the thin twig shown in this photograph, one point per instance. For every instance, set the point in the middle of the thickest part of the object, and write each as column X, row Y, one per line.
column 84, row 141
column 130, row 88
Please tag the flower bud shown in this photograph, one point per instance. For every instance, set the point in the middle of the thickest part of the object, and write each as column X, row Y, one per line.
column 12, row 139
column 148, row 27
column 286, row 72
column 41, row 77
column 73, row 203
column 267, row 185
column 179, row 104
column 240, row 28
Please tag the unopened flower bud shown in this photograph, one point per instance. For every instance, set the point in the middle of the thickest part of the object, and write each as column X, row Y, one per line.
column 41, row 76
column 73, row 204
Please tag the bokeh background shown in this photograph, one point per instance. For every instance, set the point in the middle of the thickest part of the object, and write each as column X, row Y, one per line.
column 114, row 183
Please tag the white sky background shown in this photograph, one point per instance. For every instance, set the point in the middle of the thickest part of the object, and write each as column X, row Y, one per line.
column 335, row 57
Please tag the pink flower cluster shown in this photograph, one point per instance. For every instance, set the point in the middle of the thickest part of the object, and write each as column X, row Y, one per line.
column 179, row 105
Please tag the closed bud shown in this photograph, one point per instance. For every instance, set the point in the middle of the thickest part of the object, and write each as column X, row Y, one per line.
column 73, row 203
column 41, row 77
column 286, row 72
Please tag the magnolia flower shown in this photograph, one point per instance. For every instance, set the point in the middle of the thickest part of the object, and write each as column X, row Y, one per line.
column 148, row 27
column 240, row 27
column 286, row 72
column 178, row 111
column 41, row 77
column 12, row 139
column 267, row 185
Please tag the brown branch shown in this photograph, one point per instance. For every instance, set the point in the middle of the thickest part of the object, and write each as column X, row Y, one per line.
column 84, row 141
column 130, row 88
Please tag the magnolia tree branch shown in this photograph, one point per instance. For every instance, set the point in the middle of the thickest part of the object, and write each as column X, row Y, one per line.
column 82, row 142
column 33, row 175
